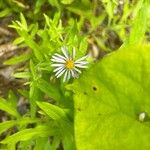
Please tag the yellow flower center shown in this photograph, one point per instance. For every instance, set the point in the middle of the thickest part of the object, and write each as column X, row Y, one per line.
column 69, row 64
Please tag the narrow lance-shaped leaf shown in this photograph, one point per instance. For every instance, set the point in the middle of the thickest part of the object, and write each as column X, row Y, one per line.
column 33, row 70
column 33, row 45
column 34, row 95
column 4, row 126
column 49, row 89
column 55, row 112
column 23, row 21
column 27, row 134
column 22, row 75
column 5, row 106
column 17, row 59
column 67, row 1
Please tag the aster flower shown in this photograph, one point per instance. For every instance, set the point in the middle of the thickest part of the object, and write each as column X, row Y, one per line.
column 67, row 65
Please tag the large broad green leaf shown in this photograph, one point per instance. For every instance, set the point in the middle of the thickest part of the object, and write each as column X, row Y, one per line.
column 108, row 99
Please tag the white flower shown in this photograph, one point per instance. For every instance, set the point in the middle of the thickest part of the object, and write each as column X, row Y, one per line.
column 67, row 65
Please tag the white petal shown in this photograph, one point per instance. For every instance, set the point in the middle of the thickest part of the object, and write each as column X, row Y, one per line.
column 69, row 75
column 57, row 65
column 60, row 56
column 76, row 69
column 73, row 53
column 58, row 60
column 58, row 68
column 82, row 62
column 65, row 52
column 73, row 73
column 65, row 76
column 57, row 57
column 61, row 73
column 82, row 58
column 80, row 66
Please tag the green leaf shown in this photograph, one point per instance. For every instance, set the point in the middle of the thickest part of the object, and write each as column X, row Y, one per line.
column 23, row 21
column 17, row 59
column 5, row 106
column 109, row 7
column 19, row 3
column 34, row 29
column 26, row 120
column 54, row 3
column 108, row 99
column 33, row 45
column 49, row 89
column 5, row 12
column 38, row 6
column 41, row 143
column 6, row 125
column 12, row 99
column 22, row 121
column 18, row 40
column 27, row 134
column 67, row 1
column 26, row 145
column 55, row 112
column 33, row 70
column 22, row 75
column 34, row 95
column 22, row 30
column 55, row 144
column 24, row 93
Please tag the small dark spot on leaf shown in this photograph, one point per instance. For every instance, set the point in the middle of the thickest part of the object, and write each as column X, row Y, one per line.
column 99, row 114
column 85, row 93
column 79, row 109
column 94, row 88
